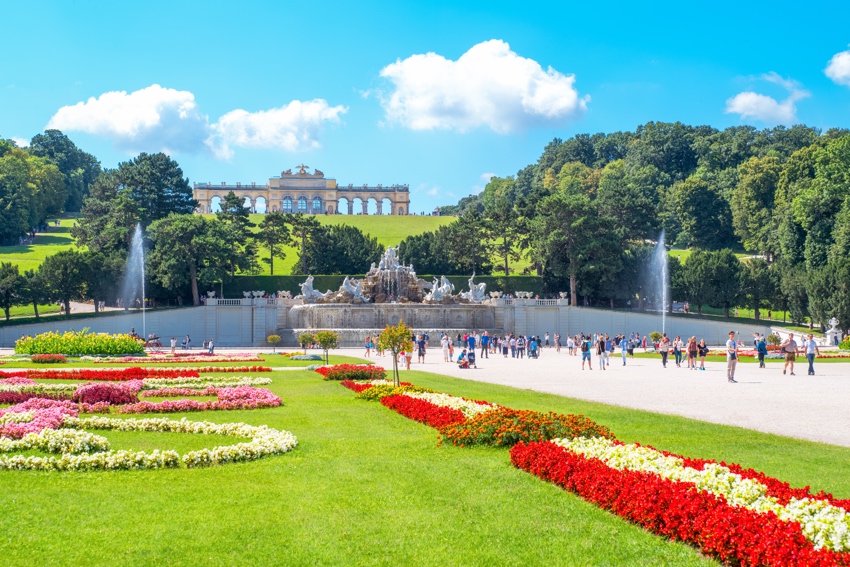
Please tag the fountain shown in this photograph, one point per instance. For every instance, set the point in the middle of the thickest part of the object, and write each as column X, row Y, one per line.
column 134, row 275
column 661, row 278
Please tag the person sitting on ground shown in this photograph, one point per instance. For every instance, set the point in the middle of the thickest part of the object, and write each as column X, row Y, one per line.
column 462, row 361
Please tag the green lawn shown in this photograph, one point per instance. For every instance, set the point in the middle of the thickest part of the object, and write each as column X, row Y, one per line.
column 30, row 256
column 27, row 310
column 368, row 487
column 271, row 360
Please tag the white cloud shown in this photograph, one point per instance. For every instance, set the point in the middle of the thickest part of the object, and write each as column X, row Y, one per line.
column 150, row 119
column 838, row 68
column 162, row 119
column 765, row 108
column 486, row 177
column 21, row 142
column 489, row 86
column 292, row 127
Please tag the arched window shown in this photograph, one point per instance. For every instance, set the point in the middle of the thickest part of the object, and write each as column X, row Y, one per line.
column 287, row 204
column 317, row 205
column 302, row 204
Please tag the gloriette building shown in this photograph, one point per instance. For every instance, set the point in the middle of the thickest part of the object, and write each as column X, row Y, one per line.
column 312, row 193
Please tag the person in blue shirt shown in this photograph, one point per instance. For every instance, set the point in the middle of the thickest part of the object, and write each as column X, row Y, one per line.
column 462, row 362
column 470, row 341
column 624, row 349
column 761, row 349
column 485, row 345
column 532, row 348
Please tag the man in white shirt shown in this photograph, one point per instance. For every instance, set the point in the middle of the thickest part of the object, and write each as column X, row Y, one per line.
column 811, row 350
column 731, row 357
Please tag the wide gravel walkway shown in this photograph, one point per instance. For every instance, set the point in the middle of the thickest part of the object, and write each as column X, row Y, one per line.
column 815, row 408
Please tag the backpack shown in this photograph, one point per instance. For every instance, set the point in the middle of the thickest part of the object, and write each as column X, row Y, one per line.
column 585, row 346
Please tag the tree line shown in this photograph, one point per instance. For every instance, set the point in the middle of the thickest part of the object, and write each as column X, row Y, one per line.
column 587, row 214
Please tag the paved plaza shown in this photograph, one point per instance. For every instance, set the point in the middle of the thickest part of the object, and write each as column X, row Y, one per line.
column 816, row 408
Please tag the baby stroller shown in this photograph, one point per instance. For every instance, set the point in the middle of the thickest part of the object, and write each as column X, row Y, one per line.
column 470, row 357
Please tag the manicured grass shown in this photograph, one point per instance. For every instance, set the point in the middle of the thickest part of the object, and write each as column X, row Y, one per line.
column 367, row 486
column 271, row 360
column 30, row 256
column 28, row 311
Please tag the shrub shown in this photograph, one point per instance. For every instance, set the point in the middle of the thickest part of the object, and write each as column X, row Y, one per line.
column 773, row 339
column 114, row 394
column 352, row 372
column 48, row 358
column 845, row 344
column 505, row 427
column 655, row 336
column 79, row 343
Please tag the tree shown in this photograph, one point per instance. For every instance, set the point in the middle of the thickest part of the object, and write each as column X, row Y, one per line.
column 102, row 274
column 273, row 340
column 64, row 273
column 186, row 247
column 234, row 217
column 108, row 217
column 630, row 201
column 753, row 202
column 468, row 243
column 696, row 277
column 503, row 226
column 703, row 213
column 396, row 339
column 78, row 168
column 10, row 282
column 16, row 196
column 34, row 290
column 568, row 232
column 725, row 278
column 758, row 284
column 327, row 340
column 274, row 234
column 341, row 249
column 303, row 227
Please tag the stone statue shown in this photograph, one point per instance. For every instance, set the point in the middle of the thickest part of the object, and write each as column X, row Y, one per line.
column 302, row 169
column 318, row 173
column 476, row 293
column 286, row 173
column 310, row 294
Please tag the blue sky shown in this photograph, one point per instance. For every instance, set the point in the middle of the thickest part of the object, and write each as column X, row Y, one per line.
column 438, row 95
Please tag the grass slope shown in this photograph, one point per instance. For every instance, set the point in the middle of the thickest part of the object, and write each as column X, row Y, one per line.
column 368, row 487
column 30, row 256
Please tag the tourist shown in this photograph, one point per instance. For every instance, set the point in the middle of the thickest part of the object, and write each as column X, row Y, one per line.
column 571, row 346
column 211, row 347
column 585, row 352
column 702, row 351
column 444, row 344
column 546, row 338
column 811, row 350
column 470, row 342
column 532, row 348
column 368, row 344
column 624, row 349
column 506, row 346
column 485, row 345
column 731, row 357
column 677, row 350
column 761, row 349
column 420, row 348
column 663, row 348
column 609, row 349
column 789, row 347
column 408, row 358
column 692, row 353
column 173, row 345
column 520, row 346
column 601, row 352
column 186, row 343
column 557, row 342
column 462, row 362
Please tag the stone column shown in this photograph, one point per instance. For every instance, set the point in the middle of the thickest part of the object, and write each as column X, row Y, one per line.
column 379, row 208
column 365, row 203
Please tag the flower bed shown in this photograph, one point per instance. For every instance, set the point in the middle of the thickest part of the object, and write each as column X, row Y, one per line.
column 112, row 394
column 172, row 358
column 305, row 357
column 79, row 343
column 361, row 386
column 187, row 382
column 725, row 515
column 352, row 372
column 103, row 374
column 422, row 411
column 239, row 398
column 83, row 451
column 48, row 358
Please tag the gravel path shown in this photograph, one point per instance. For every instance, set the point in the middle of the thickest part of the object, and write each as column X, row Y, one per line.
column 816, row 408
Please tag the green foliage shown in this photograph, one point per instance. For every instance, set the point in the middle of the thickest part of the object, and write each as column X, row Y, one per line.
column 273, row 340
column 773, row 339
column 396, row 339
column 274, row 234
column 65, row 275
column 655, row 336
column 303, row 228
column 79, row 168
column 79, row 343
column 306, row 339
column 30, row 189
column 845, row 344
column 339, row 249
column 327, row 340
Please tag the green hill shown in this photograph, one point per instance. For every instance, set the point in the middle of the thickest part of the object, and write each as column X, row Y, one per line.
column 388, row 229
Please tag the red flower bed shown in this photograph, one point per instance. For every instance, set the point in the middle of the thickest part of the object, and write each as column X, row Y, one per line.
column 733, row 534
column 113, row 394
column 352, row 372
column 48, row 358
column 104, row 374
column 20, row 397
column 351, row 385
column 423, row 411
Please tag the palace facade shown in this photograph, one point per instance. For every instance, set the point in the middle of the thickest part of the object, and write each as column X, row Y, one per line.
column 309, row 193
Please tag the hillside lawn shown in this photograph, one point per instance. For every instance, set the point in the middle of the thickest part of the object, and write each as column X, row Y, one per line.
column 368, row 486
column 30, row 256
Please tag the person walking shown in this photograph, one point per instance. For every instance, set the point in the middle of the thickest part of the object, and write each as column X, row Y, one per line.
column 609, row 350
column 677, row 350
column 546, row 338
column 811, row 350
column 420, row 350
column 211, row 346
column 789, row 347
column 368, row 344
column 731, row 357
column 520, row 346
column 444, row 344
column 174, row 346
column 702, row 351
column 485, row 345
column 600, row 352
column 584, row 347
column 557, row 342
column 624, row 348
column 761, row 350
column 664, row 348
column 571, row 345
column 692, row 353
